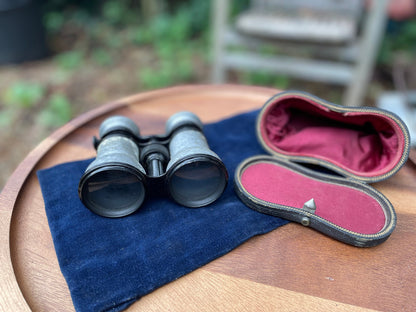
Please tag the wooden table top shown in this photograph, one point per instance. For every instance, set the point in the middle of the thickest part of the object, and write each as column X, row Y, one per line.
column 289, row 269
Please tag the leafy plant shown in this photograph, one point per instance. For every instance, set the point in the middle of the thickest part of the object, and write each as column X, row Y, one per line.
column 177, row 32
column 53, row 21
column 139, row 35
column 23, row 94
column 120, row 12
column 70, row 60
column 266, row 79
column 102, row 57
column 199, row 12
column 400, row 38
column 180, row 26
column 113, row 11
column 19, row 96
column 57, row 112
column 156, row 78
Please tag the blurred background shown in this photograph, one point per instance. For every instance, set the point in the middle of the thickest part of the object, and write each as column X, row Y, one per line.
column 60, row 58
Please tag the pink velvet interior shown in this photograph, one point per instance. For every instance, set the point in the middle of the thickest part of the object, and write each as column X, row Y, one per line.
column 366, row 144
column 343, row 206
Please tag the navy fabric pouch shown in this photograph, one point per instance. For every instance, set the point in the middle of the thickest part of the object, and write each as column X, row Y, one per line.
column 110, row 263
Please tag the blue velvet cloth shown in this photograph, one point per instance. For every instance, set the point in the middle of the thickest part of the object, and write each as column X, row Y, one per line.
column 110, row 263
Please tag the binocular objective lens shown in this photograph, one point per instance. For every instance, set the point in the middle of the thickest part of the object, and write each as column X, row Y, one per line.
column 114, row 192
column 197, row 183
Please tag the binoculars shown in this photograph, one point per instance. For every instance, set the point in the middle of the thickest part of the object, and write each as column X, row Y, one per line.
column 178, row 164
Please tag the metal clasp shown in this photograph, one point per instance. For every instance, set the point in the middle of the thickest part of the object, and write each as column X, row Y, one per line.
column 310, row 207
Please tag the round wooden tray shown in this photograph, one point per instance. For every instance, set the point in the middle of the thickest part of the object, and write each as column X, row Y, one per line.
column 291, row 268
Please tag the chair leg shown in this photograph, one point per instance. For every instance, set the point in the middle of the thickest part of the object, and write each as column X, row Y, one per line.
column 219, row 15
column 369, row 46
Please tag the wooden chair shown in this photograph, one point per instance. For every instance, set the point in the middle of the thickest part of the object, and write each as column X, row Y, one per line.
column 329, row 41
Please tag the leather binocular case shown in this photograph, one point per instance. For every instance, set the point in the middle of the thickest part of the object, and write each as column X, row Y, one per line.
column 321, row 158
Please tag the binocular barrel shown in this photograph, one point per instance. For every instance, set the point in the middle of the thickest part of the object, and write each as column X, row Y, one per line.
column 179, row 163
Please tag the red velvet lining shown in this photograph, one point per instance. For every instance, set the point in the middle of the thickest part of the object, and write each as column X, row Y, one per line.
column 364, row 143
column 349, row 208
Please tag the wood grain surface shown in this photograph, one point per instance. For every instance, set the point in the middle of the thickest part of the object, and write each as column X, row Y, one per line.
column 293, row 268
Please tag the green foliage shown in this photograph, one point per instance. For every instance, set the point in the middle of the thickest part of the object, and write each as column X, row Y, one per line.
column 160, row 27
column 23, row 94
column 267, row 49
column 120, row 12
column 159, row 78
column 114, row 11
column 19, row 96
column 189, row 20
column 180, row 26
column 139, row 35
column 199, row 12
column 175, row 65
column 70, row 60
column 102, row 57
column 53, row 21
column 402, row 39
column 57, row 112
column 177, row 34
column 239, row 6
column 176, row 38
column 266, row 79
column 166, row 73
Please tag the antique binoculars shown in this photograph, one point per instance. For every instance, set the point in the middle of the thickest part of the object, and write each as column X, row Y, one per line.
column 178, row 164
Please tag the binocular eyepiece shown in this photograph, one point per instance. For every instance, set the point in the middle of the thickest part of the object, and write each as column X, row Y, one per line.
column 128, row 165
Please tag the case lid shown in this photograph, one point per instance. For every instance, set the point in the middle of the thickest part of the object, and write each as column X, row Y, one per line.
column 363, row 143
column 344, row 209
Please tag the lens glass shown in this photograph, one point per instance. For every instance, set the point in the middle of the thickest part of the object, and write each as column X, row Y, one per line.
column 197, row 183
column 113, row 192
